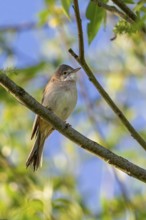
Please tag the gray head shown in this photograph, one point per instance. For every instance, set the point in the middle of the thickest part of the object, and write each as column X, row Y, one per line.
column 66, row 73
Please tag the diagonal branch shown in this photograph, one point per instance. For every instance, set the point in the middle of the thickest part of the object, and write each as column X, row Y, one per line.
column 21, row 27
column 80, row 31
column 125, row 9
column 87, row 144
column 113, row 10
column 103, row 93
column 128, row 12
column 110, row 102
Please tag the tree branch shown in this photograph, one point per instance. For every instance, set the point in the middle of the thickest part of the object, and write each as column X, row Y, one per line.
column 87, row 144
column 80, row 31
column 128, row 12
column 128, row 15
column 113, row 10
column 110, row 102
column 103, row 93
column 125, row 9
column 100, row 136
column 21, row 27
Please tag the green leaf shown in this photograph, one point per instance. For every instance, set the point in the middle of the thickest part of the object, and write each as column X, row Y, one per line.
column 143, row 9
column 66, row 6
column 43, row 16
column 95, row 15
column 129, row 1
column 139, row 6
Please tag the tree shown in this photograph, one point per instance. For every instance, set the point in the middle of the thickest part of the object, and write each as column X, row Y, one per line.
column 120, row 69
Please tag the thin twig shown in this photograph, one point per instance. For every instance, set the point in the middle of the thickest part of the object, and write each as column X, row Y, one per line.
column 80, row 31
column 128, row 12
column 107, row 98
column 103, row 93
column 21, row 27
column 125, row 9
column 100, row 136
column 127, row 201
column 128, row 15
column 91, row 146
column 113, row 10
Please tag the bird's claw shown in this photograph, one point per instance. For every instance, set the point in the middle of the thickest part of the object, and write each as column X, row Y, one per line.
column 67, row 125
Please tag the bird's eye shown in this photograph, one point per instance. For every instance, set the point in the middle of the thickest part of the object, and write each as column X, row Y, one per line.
column 64, row 73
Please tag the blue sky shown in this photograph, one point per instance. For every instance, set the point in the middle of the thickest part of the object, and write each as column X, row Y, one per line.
column 26, row 44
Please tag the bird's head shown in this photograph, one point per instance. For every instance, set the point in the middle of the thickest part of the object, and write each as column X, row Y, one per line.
column 66, row 73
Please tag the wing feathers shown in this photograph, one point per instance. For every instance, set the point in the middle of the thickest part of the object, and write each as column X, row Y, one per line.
column 35, row 126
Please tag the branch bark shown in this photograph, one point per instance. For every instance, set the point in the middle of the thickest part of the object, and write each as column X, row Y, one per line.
column 84, row 142
column 95, row 82
column 125, row 9
column 21, row 27
column 80, row 31
column 124, row 12
column 113, row 10
column 128, row 12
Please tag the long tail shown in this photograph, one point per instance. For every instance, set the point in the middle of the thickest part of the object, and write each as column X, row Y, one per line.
column 35, row 156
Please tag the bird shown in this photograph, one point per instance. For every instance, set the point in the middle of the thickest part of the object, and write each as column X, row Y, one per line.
column 60, row 95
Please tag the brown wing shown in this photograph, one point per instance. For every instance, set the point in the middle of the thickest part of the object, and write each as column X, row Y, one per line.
column 35, row 126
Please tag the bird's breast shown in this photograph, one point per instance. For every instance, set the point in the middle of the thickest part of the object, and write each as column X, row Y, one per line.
column 67, row 102
column 62, row 100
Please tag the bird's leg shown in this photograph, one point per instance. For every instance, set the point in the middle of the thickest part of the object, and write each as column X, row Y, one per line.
column 67, row 125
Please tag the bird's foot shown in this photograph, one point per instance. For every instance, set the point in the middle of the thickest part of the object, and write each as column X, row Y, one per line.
column 67, row 125
column 49, row 109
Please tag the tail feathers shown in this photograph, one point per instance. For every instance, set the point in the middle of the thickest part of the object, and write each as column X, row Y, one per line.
column 35, row 156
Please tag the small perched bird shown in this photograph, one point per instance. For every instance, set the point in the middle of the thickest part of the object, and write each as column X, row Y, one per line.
column 60, row 95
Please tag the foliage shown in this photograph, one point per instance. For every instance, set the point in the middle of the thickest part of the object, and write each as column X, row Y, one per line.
column 95, row 15
column 66, row 6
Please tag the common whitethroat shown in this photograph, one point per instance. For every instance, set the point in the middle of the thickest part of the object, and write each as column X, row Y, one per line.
column 60, row 95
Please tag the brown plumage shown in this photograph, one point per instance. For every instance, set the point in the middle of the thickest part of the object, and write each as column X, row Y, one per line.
column 60, row 95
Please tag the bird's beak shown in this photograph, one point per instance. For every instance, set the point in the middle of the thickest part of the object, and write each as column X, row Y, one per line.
column 75, row 70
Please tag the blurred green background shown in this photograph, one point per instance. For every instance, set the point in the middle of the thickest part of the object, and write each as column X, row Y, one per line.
column 72, row 184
